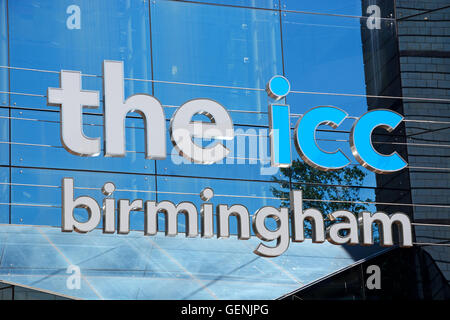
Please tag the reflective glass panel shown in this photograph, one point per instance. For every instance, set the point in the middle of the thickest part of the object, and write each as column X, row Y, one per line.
column 232, row 50
column 37, row 143
column 4, row 82
column 36, row 194
column 268, row 4
column 347, row 7
column 4, row 195
column 61, row 35
column 326, row 54
column 4, row 136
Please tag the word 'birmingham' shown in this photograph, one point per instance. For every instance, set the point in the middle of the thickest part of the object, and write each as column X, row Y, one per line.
column 348, row 229
column 184, row 130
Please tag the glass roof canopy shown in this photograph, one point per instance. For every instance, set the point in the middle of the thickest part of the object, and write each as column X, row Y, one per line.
column 135, row 266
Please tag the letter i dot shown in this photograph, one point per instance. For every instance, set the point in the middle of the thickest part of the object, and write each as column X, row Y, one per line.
column 279, row 123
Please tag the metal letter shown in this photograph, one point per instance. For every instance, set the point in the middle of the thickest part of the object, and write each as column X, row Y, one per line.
column 332, row 233
column 366, row 219
column 183, row 130
column 72, row 100
column 207, row 215
column 243, row 218
column 109, row 209
column 116, row 111
column 305, row 140
column 314, row 216
column 280, row 135
column 69, row 223
column 123, row 223
column 281, row 234
column 361, row 141
column 278, row 87
column 170, row 212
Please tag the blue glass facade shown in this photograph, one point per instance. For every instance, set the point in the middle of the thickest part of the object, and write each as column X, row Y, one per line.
column 177, row 51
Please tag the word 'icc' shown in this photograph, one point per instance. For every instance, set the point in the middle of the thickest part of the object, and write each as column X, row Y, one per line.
column 183, row 129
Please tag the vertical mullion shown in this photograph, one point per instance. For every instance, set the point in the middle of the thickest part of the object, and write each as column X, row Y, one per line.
column 9, row 110
column 153, row 84
column 284, row 75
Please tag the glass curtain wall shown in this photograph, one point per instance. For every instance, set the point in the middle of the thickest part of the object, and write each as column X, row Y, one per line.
column 178, row 51
column 332, row 52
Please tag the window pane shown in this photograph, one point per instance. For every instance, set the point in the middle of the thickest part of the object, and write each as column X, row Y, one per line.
column 267, row 4
column 4, row 195
column 215, row 45
column 37, row 143
column 4, row 136
column 46, row 35
column 325, row 54
column 3, row 54
column 347, row 7
column 37, row 194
